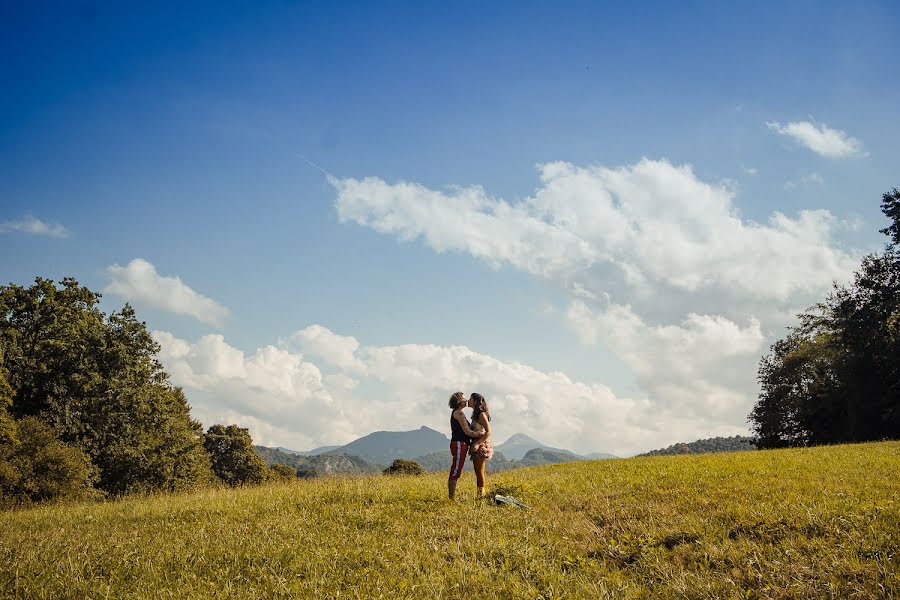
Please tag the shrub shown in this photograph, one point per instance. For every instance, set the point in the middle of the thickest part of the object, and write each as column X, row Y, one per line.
column 40, row 467
column 282, row 473
column 404, row 467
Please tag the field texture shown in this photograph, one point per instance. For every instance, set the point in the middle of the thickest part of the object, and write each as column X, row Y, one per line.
column 808, row 523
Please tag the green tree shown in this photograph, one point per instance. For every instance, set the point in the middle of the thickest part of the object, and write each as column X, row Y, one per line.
column 7, row 424
column 282, row 473
column 404, row 467
column 233, row 459
column 890, row 206
column 836, row 376
column 97, row 382
column 38, row 466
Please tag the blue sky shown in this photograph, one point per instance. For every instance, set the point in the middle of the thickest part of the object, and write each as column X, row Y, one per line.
column 180, row 136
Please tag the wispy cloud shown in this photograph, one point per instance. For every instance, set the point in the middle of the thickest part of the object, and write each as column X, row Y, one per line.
column 822, row 140
column 34, row 226
column 804, row 181
column 139, row 282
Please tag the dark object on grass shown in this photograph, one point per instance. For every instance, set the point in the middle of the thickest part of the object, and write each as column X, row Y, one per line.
column 404, row 467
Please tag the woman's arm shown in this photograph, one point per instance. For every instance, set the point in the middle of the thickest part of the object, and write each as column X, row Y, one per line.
column 461, row 419
column 486, row 424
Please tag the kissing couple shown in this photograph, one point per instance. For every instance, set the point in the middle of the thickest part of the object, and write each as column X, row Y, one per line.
column 472, row 437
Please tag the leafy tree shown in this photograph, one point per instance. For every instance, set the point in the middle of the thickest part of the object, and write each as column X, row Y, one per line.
column 404, row 467
column 282, row 473
column 96, row 380
column 890, row 206
column 836, row 376
column 7, row 424
column 233, row 458
column 38, row 466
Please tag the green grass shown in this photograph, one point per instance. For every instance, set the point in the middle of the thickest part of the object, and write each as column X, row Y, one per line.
column 805, row 523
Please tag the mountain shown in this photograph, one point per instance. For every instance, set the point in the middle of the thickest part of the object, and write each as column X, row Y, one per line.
column 382, row 447
column 314, row 466
column 519, row 444
column 599, row 456
column 735, row 443
column 313, row 452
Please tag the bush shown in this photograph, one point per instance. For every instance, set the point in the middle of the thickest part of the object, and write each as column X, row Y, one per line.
column 282, row 473
column 40, row 467
column 404, row 467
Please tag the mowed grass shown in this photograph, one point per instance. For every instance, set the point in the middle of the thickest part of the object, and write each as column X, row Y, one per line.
column 804, row 523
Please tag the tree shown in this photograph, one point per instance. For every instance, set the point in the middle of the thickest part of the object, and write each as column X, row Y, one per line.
column 7, row 424
column 282, row 473
column 38, row 466
column 890, row 206
column 233, row 459
column 97, row 382
column 836, row 376
column 404, row 467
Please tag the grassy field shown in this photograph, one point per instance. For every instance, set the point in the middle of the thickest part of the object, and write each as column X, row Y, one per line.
column 807, row 523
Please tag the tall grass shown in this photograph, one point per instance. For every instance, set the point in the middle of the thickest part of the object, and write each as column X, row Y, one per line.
column 804, row 523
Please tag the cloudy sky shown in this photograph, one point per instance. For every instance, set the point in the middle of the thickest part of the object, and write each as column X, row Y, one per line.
column 334, row 215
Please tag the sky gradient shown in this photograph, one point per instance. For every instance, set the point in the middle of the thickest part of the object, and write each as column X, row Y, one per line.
column 334, row 215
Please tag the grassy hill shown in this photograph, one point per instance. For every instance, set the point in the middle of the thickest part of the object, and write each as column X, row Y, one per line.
column 817, row 522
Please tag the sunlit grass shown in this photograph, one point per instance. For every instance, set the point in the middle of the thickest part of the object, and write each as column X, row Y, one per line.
column 819, row 522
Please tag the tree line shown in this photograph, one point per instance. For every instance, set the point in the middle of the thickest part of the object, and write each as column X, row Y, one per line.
column 835, row 377
column 87, row 410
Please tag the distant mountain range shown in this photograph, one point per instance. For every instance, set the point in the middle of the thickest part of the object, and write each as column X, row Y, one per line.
column 426, row 446
column 717, row 444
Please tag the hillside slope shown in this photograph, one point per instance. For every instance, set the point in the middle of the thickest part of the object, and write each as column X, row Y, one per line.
column 805, row 523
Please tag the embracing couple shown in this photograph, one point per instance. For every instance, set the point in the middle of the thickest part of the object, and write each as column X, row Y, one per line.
column 469, row 437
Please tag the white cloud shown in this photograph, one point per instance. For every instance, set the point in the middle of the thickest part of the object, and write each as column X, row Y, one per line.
column 34, row 226
column 138, row 282
column 751, row 171
column 336, row 349
column 822, row 140
column 703, row 366
column 286, row 400
column 652, row 223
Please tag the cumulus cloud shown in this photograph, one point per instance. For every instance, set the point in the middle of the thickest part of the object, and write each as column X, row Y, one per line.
column 822, row 140
column 702, row 366
column 138, row 282
column 288, row 401
column 652, row 223
column 34, row 226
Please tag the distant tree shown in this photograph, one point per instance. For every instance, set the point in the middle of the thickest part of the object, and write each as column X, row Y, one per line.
column 97, row 382
column 890, row 206
column 233, row 458
column 836, row 376
column 282, row 473
column 38, row 466
column 404, row 467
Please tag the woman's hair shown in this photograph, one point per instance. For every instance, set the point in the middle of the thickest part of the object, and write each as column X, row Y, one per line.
column 480, row 407
column 457, row 399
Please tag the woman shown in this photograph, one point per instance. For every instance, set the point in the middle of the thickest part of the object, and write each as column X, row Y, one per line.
column 460, row 440
column 482, row 448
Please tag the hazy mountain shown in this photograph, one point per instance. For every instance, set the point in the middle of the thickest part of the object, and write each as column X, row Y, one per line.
column 600, row 456
column 313, row 466
column 519, row 444
column 717, row 444
column 313, row 452
column 382, row 447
